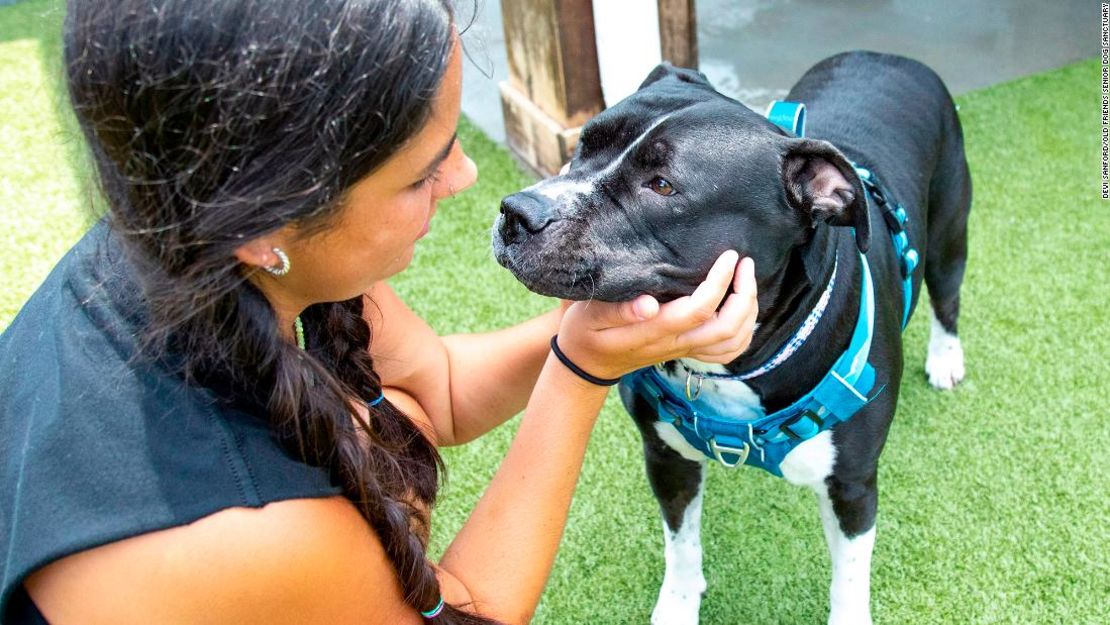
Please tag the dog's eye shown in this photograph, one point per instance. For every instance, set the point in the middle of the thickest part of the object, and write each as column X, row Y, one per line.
column 660, row 186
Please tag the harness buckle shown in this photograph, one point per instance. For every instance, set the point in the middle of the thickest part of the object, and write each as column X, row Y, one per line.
column 909, row 262
column 893, row 224
column 808, row 414
column 741, row 454
column 696, row 392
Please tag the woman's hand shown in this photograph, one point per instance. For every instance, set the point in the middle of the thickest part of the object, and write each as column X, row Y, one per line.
column 611, row 339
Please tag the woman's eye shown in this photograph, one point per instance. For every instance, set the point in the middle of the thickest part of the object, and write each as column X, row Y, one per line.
column 427, row 181
column 661, row 186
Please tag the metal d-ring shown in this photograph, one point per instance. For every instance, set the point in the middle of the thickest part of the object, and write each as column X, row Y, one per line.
column 741, row 454
column 694, row 395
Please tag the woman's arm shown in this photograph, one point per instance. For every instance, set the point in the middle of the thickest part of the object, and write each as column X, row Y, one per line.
column 290, row 562
column 466, row 384
column 493, row 373
column 505, row 551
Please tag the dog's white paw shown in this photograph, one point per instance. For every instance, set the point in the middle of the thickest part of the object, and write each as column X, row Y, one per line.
column 945, row 367
column 678, row 604
column 850, row 617
column 945, row 362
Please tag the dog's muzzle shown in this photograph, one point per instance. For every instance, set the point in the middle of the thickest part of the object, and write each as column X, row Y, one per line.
column 523, row 214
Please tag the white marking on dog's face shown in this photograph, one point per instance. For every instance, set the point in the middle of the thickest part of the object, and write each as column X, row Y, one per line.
column 810, row 462
column 683, row 581
column 850, row 590
column 628, row 150
column 945, row 363
column 569, row 191
column 558, row 188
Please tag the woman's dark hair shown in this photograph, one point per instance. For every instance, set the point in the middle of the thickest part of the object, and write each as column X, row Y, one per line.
column 213, row 122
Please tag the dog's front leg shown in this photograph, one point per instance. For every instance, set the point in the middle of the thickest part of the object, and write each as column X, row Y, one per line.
column 678, row 484
column 848, row 516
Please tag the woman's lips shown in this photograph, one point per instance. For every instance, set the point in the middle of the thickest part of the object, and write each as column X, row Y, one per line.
column 427, row 224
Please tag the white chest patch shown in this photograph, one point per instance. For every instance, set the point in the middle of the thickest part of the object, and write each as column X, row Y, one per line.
column 729, row 397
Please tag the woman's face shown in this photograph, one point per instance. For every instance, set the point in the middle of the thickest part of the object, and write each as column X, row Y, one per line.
column 382, row 216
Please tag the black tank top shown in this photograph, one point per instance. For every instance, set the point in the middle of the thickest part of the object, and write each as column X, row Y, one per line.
column 97, row 446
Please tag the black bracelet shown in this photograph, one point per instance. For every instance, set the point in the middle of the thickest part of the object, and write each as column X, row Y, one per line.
column 578, row 370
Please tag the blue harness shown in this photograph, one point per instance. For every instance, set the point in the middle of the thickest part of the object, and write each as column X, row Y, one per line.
column 764, row 440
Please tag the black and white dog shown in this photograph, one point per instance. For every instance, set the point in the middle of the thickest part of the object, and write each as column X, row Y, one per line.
column 669, row 178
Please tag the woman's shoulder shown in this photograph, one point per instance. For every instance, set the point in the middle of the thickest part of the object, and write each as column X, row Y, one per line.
column 99, row 446
column 299, row 560
column 91, row 287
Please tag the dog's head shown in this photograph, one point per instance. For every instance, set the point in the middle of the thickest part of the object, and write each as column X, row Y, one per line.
column 661, row 184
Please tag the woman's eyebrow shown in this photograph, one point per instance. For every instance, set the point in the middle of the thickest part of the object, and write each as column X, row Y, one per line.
column 440, row 157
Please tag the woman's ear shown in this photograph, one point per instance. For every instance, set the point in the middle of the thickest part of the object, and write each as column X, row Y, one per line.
column 259, row 253
column 823, row 186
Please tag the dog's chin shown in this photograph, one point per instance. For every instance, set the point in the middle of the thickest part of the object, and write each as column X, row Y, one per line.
column 603, row 293
column 551, row 280
column 556, row 279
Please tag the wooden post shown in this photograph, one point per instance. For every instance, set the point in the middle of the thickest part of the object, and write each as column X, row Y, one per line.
column 553, row 85
column 678, row 32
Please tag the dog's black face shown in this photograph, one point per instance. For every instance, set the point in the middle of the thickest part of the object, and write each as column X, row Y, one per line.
column 664, row 182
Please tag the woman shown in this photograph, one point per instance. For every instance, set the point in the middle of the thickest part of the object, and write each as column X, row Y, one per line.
column 196, row 424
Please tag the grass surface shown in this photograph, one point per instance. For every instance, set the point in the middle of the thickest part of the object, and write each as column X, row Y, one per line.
column 994, row 497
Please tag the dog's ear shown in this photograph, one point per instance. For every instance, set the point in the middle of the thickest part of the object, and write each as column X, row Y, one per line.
column 665, row 69
column 823, row 185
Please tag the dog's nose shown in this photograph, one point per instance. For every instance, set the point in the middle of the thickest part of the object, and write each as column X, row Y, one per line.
column 524, row 212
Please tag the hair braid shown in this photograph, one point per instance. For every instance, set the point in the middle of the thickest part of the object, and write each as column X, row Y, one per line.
column 397, row 448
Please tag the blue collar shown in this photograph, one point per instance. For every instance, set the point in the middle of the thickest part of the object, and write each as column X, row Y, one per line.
column 790, row 116
column 789, row 348
column 765, row 440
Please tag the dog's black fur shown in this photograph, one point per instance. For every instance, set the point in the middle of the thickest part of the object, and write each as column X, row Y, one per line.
column 742, row 183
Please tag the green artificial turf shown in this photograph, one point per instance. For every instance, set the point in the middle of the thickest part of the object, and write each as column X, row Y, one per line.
column 995, row 498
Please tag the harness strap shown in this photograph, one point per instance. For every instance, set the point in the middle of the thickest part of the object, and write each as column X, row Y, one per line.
column 765, row 440
column 895, row 216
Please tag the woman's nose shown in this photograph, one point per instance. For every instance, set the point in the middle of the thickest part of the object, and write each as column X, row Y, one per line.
column 461, row 174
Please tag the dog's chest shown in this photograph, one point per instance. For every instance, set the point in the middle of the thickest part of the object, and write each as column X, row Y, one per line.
column 731, row 397
column 725, row 397
column 807, row 464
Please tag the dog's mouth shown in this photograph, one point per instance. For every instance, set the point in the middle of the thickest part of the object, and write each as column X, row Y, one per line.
column 574, row 269
column 565, row 274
